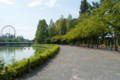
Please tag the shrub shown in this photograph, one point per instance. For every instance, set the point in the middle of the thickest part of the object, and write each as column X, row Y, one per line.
column 21, row 67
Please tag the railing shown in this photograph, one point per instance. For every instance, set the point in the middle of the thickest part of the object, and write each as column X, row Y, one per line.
column 105, row 47
column 16, row 42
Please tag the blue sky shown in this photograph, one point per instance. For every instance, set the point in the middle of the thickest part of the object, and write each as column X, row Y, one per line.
column 25, row 14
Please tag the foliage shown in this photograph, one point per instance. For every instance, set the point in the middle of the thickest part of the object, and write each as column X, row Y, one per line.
column 83, row 6
column 1, row 63
column 42, row 32
column 2, row 40
column 69, row 23
column 102, row 21
column 62, row 27
column 51, row 29
column 16, row 40
column 98, row 21
column 14, row 62
column 12, row 38
column 18, row 68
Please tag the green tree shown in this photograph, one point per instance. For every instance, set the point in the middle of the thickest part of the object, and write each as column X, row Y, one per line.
column 83, row 6
column 16, row 39
column 101, row 1
column 57, row 23
column 51, row 29
column 42, row 32
column 109, row 11
column 62, row 27
column 69, row 22
column 95, row 5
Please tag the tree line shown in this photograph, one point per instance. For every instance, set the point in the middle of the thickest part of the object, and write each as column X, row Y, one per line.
column 60, row 27
column 12, row 38
column 97, row 24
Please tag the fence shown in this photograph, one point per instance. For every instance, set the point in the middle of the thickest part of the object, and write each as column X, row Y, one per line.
column 105, row 47
column 5, row 74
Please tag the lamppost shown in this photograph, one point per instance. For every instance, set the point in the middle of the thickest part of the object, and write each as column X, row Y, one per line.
column 110, row 48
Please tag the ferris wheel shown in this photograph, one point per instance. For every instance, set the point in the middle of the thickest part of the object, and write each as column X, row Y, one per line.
column 8, row 30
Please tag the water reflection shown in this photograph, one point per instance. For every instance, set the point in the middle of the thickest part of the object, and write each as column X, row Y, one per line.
column 18, row 53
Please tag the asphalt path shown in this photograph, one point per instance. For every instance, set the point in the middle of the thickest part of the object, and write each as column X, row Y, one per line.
column 77, row 63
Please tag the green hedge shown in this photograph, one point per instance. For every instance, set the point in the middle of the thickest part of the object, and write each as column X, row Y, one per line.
column 22, row 66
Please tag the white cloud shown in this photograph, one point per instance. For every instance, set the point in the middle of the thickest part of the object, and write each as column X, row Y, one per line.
column 51, row 3
column 42, row 3
column 6, row 2
column 35, row 3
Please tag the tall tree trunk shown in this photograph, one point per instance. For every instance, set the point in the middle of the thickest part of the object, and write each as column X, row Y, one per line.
column 115, row 44
column 116, row 49
column 91, row 42
column 103, row 38
column 106, row 43
column 88, row 43
column 79, row 41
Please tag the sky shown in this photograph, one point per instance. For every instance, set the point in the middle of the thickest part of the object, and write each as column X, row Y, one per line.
column 24, row 15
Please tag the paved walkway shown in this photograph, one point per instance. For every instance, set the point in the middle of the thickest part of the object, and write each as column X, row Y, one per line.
column 76, row 63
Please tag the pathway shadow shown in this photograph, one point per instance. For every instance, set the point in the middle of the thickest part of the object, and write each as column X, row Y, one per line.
column 35, row 71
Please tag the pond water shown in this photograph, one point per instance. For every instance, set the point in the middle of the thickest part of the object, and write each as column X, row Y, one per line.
column 18, row 53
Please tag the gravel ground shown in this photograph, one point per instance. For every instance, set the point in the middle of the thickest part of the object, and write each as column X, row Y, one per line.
column 76, row 63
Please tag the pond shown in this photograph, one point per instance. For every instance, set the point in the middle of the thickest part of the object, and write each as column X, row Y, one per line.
column 18, row 53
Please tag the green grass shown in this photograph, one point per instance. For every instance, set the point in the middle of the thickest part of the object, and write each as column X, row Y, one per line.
column 46, row 51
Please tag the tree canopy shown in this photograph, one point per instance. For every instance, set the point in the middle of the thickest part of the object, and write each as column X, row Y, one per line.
column 42, row 32
column 83, row 6
column 97, row 21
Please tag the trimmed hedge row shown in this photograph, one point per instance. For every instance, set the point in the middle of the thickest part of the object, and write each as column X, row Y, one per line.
column 36, row 60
